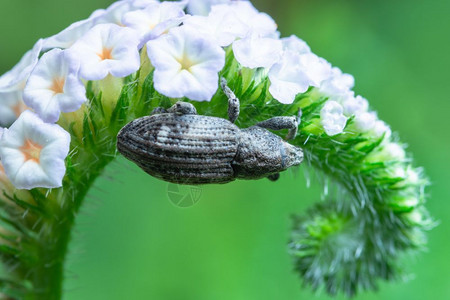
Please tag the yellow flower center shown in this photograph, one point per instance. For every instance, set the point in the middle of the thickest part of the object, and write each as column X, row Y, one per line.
column 58, row 85
column 18, row 108
column 105, row 54
column 31, row 150
column 185, row 63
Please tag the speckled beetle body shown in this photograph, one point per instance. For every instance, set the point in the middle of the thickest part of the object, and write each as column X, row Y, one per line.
column 182, row 147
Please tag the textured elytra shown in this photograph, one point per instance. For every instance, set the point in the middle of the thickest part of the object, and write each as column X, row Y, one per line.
column 188, row 149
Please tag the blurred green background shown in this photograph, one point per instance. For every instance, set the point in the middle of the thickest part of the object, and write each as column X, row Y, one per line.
column 130, row 242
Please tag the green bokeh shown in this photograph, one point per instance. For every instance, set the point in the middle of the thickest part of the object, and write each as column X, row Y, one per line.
column 130, row 242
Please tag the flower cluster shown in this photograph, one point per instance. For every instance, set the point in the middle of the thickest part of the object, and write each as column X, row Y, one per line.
column 187, row 52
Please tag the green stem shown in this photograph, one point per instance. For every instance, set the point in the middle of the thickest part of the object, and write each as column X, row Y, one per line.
column 49, row 272
column 344, row 245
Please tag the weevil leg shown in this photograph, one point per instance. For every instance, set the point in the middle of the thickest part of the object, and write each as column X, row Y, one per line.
column 278, row 123
column 274, row 177
column 233, row 101
column 183, row 108
column 158, row 110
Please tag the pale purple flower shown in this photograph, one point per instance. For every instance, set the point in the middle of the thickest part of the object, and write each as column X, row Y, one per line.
column 33, row 152
column 186, row 64
column 54, row 86
column 107, row 49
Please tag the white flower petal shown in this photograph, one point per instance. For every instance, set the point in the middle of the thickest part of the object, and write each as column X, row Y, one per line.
column 381, row 128
column 33, row 152
column 54, row 86
column 221, row 24
column 365, row 121
column 12, row 84
column 140, row 4
column 186, row 64
column 287, row 79
column 154, row 20
column 338, row 83
column 332, row 118
column 353, row 105
column 294, row 73
column 294, row 44
column 114, row 13
column 258, row 23
column 252, row 52
column 394, row 151
column 11, row 106
column 14, row 79
column 107, row 48
column 202, row 7
column 71, row 34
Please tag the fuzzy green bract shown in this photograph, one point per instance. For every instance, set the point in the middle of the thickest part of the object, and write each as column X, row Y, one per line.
column 345, row 244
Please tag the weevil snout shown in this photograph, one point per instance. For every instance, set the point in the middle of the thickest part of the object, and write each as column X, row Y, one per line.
column 293, row 155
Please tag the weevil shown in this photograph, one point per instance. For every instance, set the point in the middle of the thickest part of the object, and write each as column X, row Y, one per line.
column 180, row 146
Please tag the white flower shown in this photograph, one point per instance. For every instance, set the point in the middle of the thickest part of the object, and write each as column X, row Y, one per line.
column 381, row 128
column 11, row 106
column 332, row 118
column 114, row 13
column 295, row 73
column 5, row 184
column 221, row 25
column 71, row 34
column 393, row 151
column 365, row 121
column 33, row 152
column 54, row 86
column 202, row 7
column 353, row 105
column 253, row 52
column 186, row 64
column 294, row 44
column 258, row 23
column 139, row 4
column 107, row 48
column 412, row 175
column 14, row 79
column 338, row 83
column 12, row 84
column 154, row 20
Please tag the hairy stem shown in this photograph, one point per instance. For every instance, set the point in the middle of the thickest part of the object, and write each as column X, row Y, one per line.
column 345, row 244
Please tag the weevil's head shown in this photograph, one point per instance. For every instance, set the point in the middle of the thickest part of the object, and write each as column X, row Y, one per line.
column 262, row 153
column 290, row 155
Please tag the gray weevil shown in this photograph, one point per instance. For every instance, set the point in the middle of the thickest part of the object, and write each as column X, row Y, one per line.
column 179, row 146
